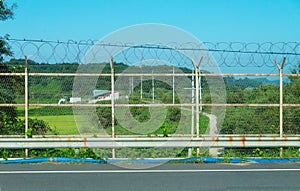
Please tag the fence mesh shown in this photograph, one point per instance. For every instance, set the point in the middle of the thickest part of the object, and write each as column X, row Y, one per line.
column 155, row 89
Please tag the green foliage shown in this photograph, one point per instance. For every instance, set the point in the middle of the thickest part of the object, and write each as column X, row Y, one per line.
column 141, row 114
column 38, row 127
column 6, row 12
column 8, row 115
column 11, row 153
column 35, row 127
column 295, row 71
column 252, row 120
column 67, row 84
column 64, row 152
column 4, row 48
column 29, row 132
column 134, row 153
column 261, row 152
column 51, row 152
column 50, row 111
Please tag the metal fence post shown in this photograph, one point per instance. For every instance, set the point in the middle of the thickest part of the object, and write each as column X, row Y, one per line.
column 141, row 87
column 26, row 102
column 112, row 103
column 173, row 84
column 197, row 68
column 153, row 93
column 190, row 151
column 200, row 90
column 280, row 69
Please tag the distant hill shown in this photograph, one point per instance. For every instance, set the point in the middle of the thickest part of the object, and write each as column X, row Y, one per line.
column 248, row 82
column 266, row 81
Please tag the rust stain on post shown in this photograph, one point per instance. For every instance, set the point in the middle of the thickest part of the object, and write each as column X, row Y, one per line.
column 217, row 139
column 84, row 141
column 243, row 139
column 230, row 139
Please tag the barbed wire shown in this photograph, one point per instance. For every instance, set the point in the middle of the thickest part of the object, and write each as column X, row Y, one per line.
column 230, row 46
column 226, row 54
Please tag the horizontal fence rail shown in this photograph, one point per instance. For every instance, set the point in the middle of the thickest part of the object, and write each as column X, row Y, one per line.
column 152, row 105
column 141, row 74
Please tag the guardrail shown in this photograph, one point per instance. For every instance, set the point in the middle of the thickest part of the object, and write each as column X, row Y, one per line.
column 137, row 142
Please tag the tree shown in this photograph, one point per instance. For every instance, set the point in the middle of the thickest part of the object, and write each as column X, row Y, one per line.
column 8, row 115
column 5, row 14
column 5, row 11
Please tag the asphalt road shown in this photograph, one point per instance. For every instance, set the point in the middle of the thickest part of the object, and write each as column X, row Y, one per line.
column 188, row 177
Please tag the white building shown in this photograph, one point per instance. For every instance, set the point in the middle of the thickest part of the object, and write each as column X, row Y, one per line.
column 75, row 99
column 102, row 95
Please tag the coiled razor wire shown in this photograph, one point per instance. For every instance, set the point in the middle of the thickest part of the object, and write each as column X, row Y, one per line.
column 226, row 54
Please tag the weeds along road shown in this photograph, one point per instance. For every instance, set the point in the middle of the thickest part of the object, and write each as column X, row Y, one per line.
column 191, row 177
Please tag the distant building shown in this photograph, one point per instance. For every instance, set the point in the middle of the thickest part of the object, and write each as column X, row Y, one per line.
column 102, row 95
column 75, row 99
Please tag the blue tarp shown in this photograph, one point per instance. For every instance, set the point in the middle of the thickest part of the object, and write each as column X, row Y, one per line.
column 52, row 159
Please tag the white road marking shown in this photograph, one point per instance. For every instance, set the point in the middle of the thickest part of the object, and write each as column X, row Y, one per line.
column 142, row 171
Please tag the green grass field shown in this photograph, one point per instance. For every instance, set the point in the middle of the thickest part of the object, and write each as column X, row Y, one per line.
column 63, row 123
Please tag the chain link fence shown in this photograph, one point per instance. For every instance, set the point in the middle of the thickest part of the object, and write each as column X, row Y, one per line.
column 157, row 90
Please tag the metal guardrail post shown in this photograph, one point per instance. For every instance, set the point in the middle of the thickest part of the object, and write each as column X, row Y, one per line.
column 112, row 103
column 280, row 69
column 26, row 102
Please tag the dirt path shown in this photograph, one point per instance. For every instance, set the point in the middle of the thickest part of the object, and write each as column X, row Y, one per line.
column 213, row 131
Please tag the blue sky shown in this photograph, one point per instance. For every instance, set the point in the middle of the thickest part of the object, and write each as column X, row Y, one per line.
column 208, row 20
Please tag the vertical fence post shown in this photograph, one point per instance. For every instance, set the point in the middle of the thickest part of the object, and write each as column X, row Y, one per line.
column 280, row 69
column 193, row 114
column 132, row 84
column 153, row 94
column 200, row 89
column 197, row 68
column 112, row 102
column 173, row 83
column 26, row 101
column 141, row 87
